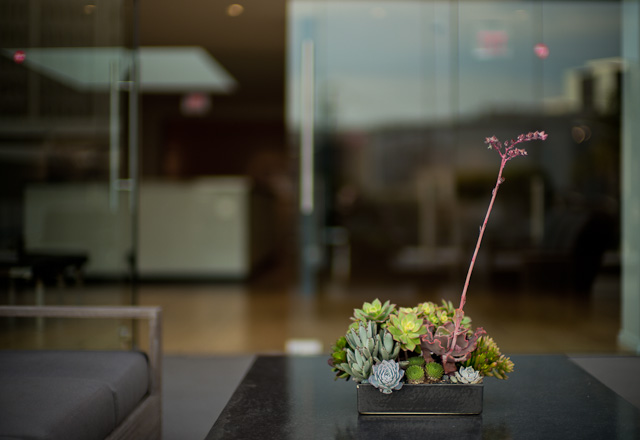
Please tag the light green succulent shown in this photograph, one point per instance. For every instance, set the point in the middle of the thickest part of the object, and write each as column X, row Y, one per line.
column 439, row 315
column 406, row 328
column 434, row 371
column 366, row 348
column 374, row 311
column 426, row 308
column 488, row 360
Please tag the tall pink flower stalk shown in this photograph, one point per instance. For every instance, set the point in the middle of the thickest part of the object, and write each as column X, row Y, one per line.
column 507, row 151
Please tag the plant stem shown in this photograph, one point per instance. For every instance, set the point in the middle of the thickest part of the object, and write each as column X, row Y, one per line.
column 463, row 297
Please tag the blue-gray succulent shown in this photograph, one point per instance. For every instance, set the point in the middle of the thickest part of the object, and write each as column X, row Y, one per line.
column 466, row 375
column 367, row 347
column 387, row 376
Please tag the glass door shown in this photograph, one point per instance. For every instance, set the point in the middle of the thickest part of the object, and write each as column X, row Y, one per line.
column 68, row 150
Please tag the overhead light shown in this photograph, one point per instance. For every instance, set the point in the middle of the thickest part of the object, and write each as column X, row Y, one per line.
column 235, row 10
column 163, row 69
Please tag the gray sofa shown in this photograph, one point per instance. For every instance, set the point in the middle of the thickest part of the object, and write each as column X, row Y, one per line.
column 54, row 394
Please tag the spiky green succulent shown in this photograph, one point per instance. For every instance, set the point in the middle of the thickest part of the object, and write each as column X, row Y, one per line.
column 365, row 348
column 416, row 360
column 406, row 328
column 434, row 371
column 374, row 311
column 415, row 374
column 488, row 360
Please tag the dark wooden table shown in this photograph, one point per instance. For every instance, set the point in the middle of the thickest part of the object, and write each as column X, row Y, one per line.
column 546, row 397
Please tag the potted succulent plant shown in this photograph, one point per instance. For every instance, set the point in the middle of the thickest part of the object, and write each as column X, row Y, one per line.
column 425, row 359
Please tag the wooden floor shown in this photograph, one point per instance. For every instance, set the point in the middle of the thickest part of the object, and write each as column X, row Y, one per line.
column 212, row 318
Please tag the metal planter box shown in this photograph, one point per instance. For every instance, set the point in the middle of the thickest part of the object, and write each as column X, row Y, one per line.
column 429, row 399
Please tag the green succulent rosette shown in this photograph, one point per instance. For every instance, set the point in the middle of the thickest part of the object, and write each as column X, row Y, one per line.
column 374, row 311
column 406, row 328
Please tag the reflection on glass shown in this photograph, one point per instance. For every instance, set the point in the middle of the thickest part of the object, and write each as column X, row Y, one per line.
column 406, row 93
column 65, row 81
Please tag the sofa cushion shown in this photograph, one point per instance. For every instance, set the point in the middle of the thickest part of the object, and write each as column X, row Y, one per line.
column 122, row 374
column 60, row 408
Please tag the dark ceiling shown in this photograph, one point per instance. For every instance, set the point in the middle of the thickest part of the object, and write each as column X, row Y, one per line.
column 251, row 47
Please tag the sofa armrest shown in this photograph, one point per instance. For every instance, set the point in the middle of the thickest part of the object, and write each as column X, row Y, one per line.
column 152, row 314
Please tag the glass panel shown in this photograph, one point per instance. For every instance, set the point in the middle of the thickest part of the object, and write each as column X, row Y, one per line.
column 405, row 94
column 66, row 206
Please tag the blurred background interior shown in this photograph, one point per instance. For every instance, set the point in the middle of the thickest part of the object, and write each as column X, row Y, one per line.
column 260, row 169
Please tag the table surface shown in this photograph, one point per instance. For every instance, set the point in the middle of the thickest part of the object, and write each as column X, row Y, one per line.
column 546, row 397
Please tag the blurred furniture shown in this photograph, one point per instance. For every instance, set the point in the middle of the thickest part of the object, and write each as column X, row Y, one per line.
column 57, row 394
column 40, row 268
column 546, row 397
column 195, row 229
column 210, row 227
column 66, row 217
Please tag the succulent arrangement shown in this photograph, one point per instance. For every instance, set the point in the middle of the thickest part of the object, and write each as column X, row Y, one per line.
column 388, row 346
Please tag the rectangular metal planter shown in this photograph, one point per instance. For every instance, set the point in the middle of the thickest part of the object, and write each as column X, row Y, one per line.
column 430, row 399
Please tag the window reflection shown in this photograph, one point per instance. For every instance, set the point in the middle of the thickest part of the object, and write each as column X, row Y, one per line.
column 406, row 96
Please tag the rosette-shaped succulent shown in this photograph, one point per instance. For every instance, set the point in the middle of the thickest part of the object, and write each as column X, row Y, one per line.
column 466, row 375
column 387, row 376
column 451, row 347
column 434, row 371
column 415, row 374
column 374, row 311
column 426, row 308
column 406, row 328
column 488, row 360
column 365, row 348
